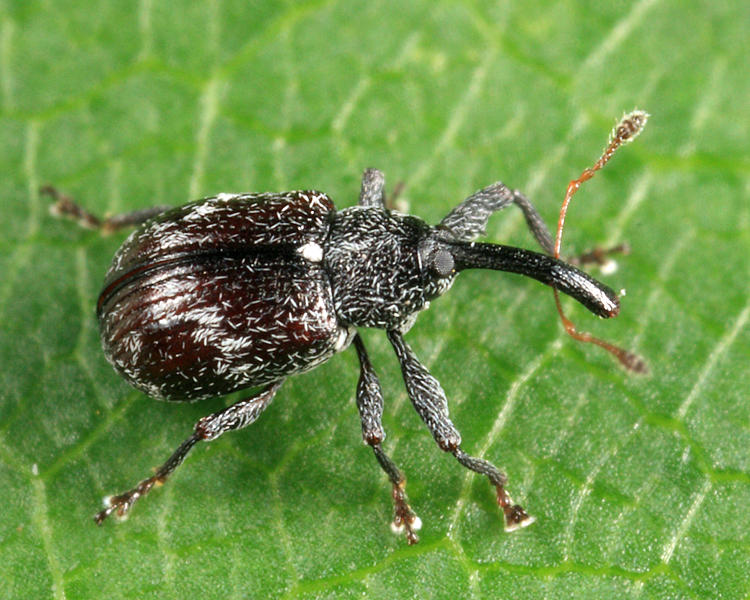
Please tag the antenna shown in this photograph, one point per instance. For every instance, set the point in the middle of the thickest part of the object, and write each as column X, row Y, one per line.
column 626, row 131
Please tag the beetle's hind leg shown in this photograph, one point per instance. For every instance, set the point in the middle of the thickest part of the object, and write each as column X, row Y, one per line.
column 429, row 400
column 238, row 415
column 122, row 503
column 370, row 405
column 65, row 206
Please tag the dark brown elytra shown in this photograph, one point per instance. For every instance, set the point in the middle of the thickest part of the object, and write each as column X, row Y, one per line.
column 242, row 291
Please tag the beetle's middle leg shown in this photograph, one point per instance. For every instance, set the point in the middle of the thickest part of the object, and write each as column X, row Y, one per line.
column 370, row 405
column 372, row 191
column 238, row 415
column 65, row 206
column 429, row 400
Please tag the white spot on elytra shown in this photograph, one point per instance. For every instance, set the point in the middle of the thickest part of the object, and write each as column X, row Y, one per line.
column 311, row 251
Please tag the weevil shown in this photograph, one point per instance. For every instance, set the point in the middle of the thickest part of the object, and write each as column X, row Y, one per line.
column 243, row 291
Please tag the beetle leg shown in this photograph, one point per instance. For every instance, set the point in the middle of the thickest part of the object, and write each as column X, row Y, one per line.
column 64, row 206
column 369, row 397
column 372, row 192
column 598, row 256
column 370, row 405
column 429, row 400
column 238, row 415
column 534, row 222
column 468, row 220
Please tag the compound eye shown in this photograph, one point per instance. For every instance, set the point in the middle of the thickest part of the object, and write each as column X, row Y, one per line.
column 441, row 263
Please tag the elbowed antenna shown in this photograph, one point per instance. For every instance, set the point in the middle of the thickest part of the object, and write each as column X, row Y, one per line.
column 597, row 297
column 629, row 127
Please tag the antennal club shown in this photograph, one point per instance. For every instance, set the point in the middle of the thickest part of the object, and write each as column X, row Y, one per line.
column 626, row 130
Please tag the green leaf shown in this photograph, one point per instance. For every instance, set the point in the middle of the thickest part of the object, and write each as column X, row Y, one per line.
column 640, row 485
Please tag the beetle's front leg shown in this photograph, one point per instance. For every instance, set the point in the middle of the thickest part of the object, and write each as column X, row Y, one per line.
column 238, row 415
column 65, row 206
column 429, row 400
column 468, row 221
column 370, row 405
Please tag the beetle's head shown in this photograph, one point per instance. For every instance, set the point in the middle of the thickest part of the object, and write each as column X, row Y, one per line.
column 385, row 267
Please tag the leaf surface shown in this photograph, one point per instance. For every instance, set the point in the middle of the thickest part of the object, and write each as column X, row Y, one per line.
column 640, row 485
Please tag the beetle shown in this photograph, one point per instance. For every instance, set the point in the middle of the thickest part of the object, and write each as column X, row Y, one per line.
column 242, row 291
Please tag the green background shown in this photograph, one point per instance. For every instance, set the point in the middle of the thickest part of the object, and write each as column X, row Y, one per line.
column 640, row 485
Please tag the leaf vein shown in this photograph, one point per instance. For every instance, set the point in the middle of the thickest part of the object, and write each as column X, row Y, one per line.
column 718, row 351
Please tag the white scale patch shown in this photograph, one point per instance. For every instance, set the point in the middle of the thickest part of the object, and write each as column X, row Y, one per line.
column 342, row 341
column 311, row 251
column 223, row 197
